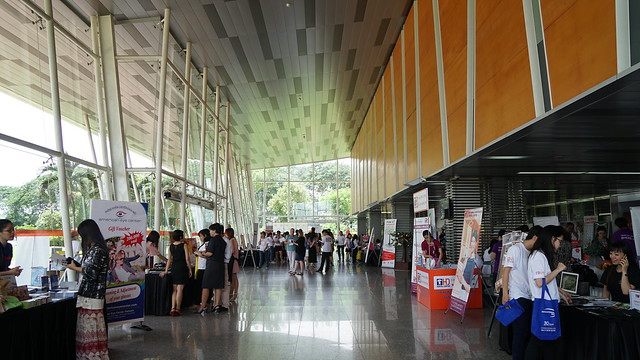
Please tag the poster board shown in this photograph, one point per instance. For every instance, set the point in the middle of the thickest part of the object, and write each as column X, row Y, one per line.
column 388, row 244
column 419, row 225
column 421, row 201
column 463, row 282
column 546, row 220
column 127, row 223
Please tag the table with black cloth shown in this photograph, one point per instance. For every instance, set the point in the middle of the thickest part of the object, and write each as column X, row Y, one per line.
column 157, row 294
column 44, row 332
column 593, row 333
column 600, row 333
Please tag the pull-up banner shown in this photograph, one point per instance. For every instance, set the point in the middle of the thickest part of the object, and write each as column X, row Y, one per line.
column 464, row 280
column 124, row 225
column 388, row 245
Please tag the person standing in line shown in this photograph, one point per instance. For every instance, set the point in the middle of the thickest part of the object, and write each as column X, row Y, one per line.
column 327, row 244
column 234, row 266
column 224, row 302
column 341, row 241
column 214, row 274
column 278, row 248
column 91, row 328
column 201, row 262
column 291, row 248
column 263, row 246
column 495, row 253
column 355, row 246
column 300, row 252
column 625, row 235
column 270, row 253
column 313, row 252
column 538, row 268
column 515, row 285
column 180, row 267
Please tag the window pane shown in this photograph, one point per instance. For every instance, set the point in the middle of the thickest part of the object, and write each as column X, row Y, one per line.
column 302, row 172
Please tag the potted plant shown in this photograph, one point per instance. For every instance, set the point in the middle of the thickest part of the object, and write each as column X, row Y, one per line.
column 404, row 241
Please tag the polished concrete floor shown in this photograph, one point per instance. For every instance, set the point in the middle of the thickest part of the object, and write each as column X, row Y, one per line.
column 349, row 313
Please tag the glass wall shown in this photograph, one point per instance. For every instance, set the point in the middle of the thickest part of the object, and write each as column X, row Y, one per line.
column 306, row 195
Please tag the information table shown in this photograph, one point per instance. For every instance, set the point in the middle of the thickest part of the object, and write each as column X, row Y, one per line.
column 44, row 332
column 435, row 286
column 157, row 294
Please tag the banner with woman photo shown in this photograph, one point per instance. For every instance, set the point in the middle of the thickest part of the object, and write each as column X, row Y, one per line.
column 465, row 279
column 388, row 244
column 123, row 225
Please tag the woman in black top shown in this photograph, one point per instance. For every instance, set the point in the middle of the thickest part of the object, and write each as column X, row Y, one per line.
column 300, row 252
column 180, row 266
column 214, row 273
column 91, row 330
column 622, row 276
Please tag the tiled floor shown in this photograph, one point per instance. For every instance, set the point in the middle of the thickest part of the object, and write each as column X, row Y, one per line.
column 349, row 313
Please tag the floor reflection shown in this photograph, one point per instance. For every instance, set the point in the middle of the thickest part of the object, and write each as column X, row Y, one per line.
column 348, row 313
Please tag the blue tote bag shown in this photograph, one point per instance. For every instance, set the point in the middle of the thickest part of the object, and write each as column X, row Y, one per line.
column 545, row 322
column 509, row 312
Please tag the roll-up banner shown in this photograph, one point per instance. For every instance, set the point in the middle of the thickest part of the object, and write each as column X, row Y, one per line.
column 465, row 279
column 124, row 225
column 388, row 245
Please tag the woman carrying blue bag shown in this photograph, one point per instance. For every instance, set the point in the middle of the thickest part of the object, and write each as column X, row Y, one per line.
column 545, row 320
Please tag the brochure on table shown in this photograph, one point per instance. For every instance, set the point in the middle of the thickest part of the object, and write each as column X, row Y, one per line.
column 634, row 299
column 465, row 278
column 388, row 244
column 126, row 224
column 420, row 224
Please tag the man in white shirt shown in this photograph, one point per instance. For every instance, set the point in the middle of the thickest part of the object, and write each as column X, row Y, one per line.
column 327, row 247
column 341, row 241
column 515, row 285
column 227, row 259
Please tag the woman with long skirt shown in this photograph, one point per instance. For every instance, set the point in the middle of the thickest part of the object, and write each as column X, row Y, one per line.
column 91, row 329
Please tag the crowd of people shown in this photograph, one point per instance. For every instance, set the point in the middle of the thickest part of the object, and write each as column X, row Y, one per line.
column 304, row 250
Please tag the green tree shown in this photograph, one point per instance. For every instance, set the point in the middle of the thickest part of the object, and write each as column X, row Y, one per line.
column 49, row 219
column 343, row 199
column 24, row 204
column 277, row 205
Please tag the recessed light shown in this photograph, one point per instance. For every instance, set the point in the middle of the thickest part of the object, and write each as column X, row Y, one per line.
column 288, row 4
column 539, row 190
column 551, row 173
column 506, row 157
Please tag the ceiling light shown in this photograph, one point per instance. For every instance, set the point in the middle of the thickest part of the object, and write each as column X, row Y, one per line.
column 539, row 190
column 288, row 4
column 416, row 181
column 612, row 173
column 506, row 157
column 551, row 173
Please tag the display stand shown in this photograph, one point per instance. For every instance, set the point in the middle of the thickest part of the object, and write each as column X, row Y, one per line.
column 244, row 262
column 495, row 310
column 476, row 277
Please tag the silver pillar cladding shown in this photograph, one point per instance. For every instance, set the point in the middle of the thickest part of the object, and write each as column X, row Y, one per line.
column 471, row 75
column 441, row 85
column 534, row 64
column 623, row 35
column 57, row 127
column 203, row 123
column 416, row 50
column 186, row 98
column 114, row 110
column 157, row 213
column 102, row 117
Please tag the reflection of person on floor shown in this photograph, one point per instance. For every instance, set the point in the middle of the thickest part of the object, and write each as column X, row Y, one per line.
column 469, row 265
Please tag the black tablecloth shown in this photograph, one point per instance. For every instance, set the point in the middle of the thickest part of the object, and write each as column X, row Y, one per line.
column 45, row 332
column 593, row 333
column 157, row 294
column 243, row 253
column 590, row 333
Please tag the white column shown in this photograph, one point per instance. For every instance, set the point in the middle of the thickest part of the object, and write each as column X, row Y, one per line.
column 203, row 123
column 157, row 213
column 186, row 99
column 57, row 127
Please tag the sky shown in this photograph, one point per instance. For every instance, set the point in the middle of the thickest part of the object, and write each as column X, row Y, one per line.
column 27, row 122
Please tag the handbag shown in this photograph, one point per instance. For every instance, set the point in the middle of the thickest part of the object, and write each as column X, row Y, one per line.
column 509, row 312
column 545, row 322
